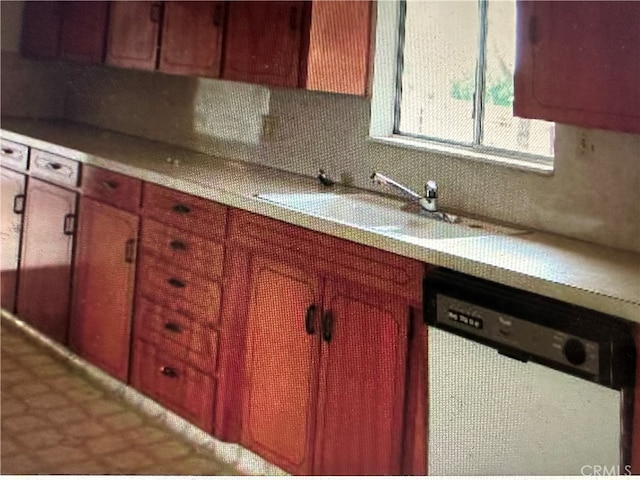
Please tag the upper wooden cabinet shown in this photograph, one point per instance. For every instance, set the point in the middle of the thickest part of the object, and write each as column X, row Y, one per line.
column 263, row 42
column 73, row 30
column 578, row 62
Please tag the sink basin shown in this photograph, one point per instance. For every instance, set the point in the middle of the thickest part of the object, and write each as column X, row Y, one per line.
column 380, row 214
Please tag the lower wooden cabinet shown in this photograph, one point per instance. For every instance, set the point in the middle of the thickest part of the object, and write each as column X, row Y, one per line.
column 46, row 258
column 103, row 286
column 12, row 207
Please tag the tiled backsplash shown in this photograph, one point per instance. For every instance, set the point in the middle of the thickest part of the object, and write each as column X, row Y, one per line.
column 592, row 196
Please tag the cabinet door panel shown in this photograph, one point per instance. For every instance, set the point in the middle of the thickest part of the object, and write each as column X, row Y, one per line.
column 45, row 263
column 41, row 23
column 104, row 282
column 133, row 34
column 281, row 365
column 192, row 38
column 579, row 63
column 11, row 229
column 263, row 41
column 83, row 30
column 362, row 382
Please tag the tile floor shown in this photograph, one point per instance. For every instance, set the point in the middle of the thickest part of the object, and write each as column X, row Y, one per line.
column 55, row 421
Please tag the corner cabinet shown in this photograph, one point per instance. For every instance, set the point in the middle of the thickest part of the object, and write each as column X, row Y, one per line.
column 579, row 63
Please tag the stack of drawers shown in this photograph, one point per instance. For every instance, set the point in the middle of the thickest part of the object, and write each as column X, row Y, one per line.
column 178, row 302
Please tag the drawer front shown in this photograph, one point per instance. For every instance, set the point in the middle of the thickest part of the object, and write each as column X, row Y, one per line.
column 112, row 188
column 179, row 290
column 177, row 335
column 55, row 168
column 197, row 215
column 14, row 155
column 197, row 254
column 177, row 386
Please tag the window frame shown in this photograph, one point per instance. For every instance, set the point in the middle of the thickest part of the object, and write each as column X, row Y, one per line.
column 387, row 91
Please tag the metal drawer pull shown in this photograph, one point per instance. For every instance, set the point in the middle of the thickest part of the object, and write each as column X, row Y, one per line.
column 173, row 327
column 69, row 226
column 7, row 151
column 309, row 318
column 178, row 245
column 54, row 165
column 129, row 250
column 109, row 184
column 169, row 372
column 174, row 282
column 18, row 204
column 327, row 326
column 180, row 208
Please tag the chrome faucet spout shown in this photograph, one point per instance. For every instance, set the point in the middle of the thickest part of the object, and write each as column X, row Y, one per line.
column 428, row 202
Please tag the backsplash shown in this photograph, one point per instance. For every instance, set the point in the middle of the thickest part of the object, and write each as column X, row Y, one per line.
column 592, row 194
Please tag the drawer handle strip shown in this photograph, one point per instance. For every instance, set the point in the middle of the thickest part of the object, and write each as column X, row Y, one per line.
column 129, row 250
column 178, row 245
column 8, row 151
column 109, row 184
column 169, row 372
column 173, row 327
column 18, row 204
column 180, row 208
column 174, row 282
column 69, row 226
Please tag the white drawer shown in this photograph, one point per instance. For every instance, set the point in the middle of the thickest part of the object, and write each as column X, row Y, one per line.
column 14, row 155
column 55, row 168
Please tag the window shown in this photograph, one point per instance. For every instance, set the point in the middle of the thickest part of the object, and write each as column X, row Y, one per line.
column 453, row 79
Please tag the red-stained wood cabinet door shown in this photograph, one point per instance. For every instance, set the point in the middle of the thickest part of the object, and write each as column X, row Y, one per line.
column 11, row 207
column 362, row 382
column 46, row 257
column 192, row 38
column 41, row 23
column 263, row 42
column 132, row 39
column 83, row 30
column 578, row 62
column 103, row 286
column 281, row 355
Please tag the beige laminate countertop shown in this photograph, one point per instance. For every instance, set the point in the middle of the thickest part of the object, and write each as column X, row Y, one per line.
column 596, row 277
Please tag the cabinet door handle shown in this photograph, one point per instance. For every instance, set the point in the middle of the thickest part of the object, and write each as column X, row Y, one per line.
column 327, row 326
column 7, row 151
column 173, row 327
column 180, row 208
column 109, row 184
column 178, row 245
column 174, row 282
column 155, row 12
column 129, row 250
column 69, row 226
column 217, row 15
column 18, row 204
column 169, row 372
column 309, row 320
column 293, row 19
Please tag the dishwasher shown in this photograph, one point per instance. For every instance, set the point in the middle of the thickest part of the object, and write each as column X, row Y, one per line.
column 520, row 384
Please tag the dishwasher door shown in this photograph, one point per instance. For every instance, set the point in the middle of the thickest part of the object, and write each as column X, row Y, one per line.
column 493, row 415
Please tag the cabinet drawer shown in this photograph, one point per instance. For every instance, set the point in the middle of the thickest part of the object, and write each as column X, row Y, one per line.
column 55, row 168
column 184, row 211
column 200, row 255
column 177, row 335
column 181, row 388
column 112, row 188
column 14, row 155
column 182, row 291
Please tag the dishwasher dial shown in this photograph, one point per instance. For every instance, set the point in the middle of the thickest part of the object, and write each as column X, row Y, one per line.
column 574, row 351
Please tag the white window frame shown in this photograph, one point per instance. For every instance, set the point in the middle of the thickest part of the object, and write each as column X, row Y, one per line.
column 385, row 91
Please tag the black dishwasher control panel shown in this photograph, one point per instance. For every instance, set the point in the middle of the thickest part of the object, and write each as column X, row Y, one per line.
column 529, row 327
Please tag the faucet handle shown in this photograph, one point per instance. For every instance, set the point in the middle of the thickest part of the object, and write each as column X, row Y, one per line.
column 431, row 189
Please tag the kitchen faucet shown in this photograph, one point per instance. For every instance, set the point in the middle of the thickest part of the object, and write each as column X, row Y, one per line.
column 430, row 200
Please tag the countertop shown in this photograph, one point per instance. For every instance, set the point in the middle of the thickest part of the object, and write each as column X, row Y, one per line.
column 593, row 276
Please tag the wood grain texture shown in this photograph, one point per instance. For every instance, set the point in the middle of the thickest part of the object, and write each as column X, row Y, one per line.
column 83, row 33
column 13, row 184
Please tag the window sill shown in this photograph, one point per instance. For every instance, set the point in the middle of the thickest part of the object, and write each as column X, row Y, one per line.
column 462, row 152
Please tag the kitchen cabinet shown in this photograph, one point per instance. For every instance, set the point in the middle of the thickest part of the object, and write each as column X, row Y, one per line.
column 46, row 258
column 12, row 208
column 70, row 30
column 326, row 348
column 132, row 39
column 635, row 433
column 263, row 42
column 579, row 63
column 105, row 272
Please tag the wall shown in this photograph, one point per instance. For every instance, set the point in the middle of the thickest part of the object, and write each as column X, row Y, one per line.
column 592, row 196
